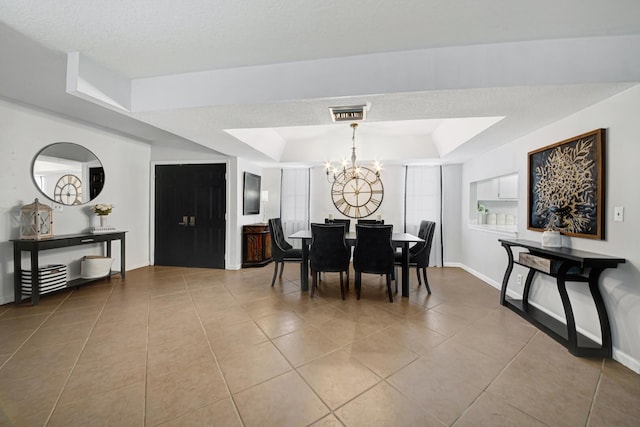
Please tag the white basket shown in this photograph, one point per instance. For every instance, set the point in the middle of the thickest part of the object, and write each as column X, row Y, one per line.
column 93, row 266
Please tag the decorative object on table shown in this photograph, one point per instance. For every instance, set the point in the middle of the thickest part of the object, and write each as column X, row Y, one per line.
column 356, row 191
column 102, row 210
column 566, row 186
column 36, row 221
column 551, row 239
column 95, row 266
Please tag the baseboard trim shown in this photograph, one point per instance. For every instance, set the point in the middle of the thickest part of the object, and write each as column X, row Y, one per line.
column 618, row 355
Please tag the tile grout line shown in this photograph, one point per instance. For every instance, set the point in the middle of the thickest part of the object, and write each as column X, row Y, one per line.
column 34, row 331
column 595, row 393
column 75, row 363
column 215, row 358
column 146, row 359
column 495, row 378
column 293, row 368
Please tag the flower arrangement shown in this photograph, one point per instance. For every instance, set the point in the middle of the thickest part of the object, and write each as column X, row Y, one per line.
column 102, row 209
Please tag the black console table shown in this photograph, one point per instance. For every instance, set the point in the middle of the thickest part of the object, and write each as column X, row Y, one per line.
column 35, row 246
column 566, row 265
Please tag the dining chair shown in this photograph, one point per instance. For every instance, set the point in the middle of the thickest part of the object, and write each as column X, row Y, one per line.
column 371, row 221
column 346, row 222
column 373, row 254
column 281, row 250
column 419, row 253
column 329, row 253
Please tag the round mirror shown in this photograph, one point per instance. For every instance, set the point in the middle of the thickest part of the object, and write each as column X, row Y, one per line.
column 68, row 173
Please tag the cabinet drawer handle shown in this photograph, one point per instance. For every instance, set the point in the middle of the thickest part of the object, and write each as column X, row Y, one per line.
column 86, row 240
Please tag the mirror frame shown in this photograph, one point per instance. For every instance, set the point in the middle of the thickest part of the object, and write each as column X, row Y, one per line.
column 71, row 179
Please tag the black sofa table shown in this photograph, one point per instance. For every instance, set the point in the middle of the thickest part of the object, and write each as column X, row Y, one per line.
column 566, row 265
column 35, row 246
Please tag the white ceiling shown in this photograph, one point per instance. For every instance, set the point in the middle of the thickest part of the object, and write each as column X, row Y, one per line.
column 268, row 71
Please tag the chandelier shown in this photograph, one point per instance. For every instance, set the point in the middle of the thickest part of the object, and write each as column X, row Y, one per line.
column 346, row 172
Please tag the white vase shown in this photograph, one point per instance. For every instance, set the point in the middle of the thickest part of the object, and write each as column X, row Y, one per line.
column 103, row 220
column 551, row 239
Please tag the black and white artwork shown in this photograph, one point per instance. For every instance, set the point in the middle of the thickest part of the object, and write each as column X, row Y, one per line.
column 566, row 186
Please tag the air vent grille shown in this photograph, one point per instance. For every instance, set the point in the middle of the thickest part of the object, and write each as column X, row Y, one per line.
column 348, row 114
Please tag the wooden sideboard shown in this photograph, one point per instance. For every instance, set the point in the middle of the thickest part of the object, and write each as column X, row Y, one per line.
column 34, row 247
column 256, row 245
column 565, row 265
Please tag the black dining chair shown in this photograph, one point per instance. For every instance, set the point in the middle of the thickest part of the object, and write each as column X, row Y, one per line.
column 329, row 253
column 419, row 253
column 346, row 222
column 281, row 250
column 371, row 221
column 373, row 254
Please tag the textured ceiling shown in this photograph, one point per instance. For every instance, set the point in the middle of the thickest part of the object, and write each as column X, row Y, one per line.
column 143, row 38
column 149, row 38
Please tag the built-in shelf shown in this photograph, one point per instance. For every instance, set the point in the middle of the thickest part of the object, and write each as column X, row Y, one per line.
column 504, row 230
column 498, row 198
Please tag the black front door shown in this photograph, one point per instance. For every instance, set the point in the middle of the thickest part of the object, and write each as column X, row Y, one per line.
column 190, row 211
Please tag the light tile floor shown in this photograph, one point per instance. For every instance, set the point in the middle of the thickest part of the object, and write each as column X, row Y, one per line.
column 181, row 347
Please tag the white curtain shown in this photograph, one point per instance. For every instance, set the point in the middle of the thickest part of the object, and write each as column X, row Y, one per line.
column 423, row 197
column 294, row 202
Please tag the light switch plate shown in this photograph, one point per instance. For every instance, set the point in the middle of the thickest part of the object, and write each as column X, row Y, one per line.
column 618, row 213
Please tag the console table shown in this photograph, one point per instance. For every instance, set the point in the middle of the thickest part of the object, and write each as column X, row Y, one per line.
column 566, row 265
column 35, row 246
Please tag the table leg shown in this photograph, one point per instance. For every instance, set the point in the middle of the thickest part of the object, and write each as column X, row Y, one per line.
column 35, row 279
column 572, row 334
column 17, row 274
column 405, row 269
column 304, row 267
column 507, row 274
column 123, row 267
column 605, row 327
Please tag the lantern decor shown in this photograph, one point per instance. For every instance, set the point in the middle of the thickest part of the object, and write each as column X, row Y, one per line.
column 36, row 221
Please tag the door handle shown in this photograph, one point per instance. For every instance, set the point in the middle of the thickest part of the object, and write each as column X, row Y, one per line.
column 184, row 221
column 192, row 221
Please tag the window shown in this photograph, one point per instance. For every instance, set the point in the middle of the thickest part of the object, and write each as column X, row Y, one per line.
column 423, row 201
column 294, row 202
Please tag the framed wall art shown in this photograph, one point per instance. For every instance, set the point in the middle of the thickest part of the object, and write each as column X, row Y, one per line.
column 566, row 186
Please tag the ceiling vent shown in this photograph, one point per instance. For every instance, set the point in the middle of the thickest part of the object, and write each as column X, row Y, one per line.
column 349, row 114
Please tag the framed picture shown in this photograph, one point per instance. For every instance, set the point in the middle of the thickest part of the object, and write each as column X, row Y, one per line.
column 566, row 186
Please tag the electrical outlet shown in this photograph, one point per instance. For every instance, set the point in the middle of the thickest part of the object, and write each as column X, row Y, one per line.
column 519, row 279
column 57, row 208
column 618, row 213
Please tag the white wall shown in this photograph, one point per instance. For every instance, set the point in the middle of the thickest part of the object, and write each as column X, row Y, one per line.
column 483, row 255
column 23, row 132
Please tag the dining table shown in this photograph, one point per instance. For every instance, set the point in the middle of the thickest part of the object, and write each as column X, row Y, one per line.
column 400, row 240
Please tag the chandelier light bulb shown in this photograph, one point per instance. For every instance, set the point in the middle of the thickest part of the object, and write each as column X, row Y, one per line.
column 349, row 168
